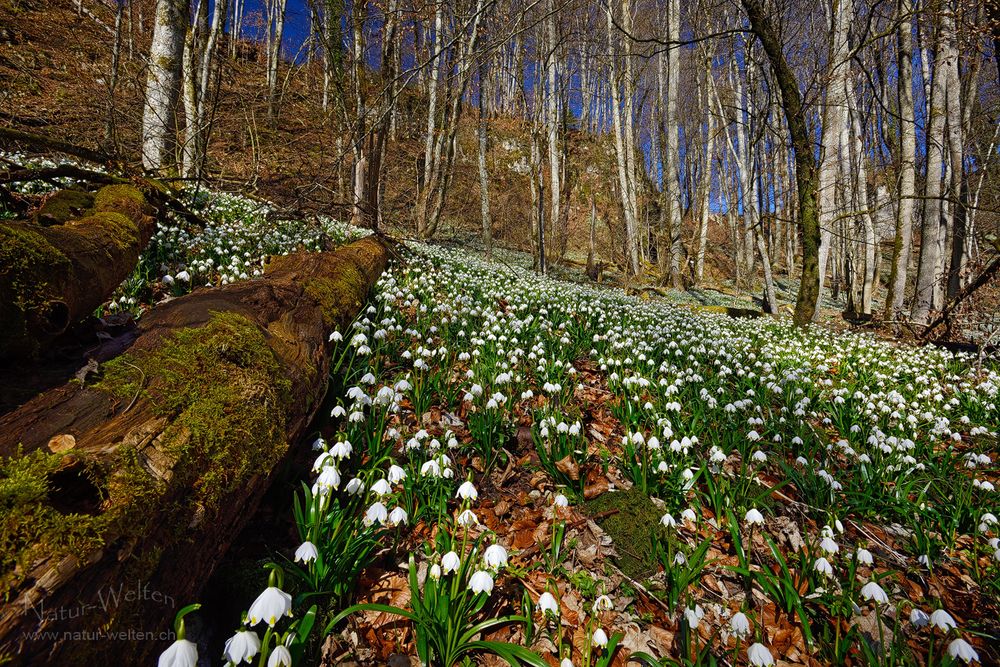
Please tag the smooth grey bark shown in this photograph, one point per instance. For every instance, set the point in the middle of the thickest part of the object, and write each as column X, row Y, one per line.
column 902, row 245
column 831, row 169
column 484, row 179
column 932, row 226
column 162, row 84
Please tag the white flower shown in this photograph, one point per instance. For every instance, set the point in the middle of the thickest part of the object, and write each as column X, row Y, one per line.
column 451, row 562
column 481, row 582
column 467, row 491
column 182, row 653
column 689, row 516
column 467, row 518
column 566, row 662
column 599, row 638
column 342, row 450
column 397, row 517
column 306, row 553
column 829, row 546
column 668, row 520
column 244, row 645
column 495, row 556
column 547, row 604
column 396, row 474
column 739, row 624
column 269, row 606
column 823, row 566
column 754, row 518
column 694, row 615
column 943, row 621
column 355, row 486
column 328, row 479
column 377, row 514
column 381, row 488
column 872, row 591
column 759, row 655
column 602, row 603
column 959, row 648
column 280, row 657
column 865, row 557
column 560, row 501
column 919, row 618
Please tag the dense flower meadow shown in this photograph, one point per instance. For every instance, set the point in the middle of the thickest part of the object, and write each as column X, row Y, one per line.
column 818, row 497
column 530, row 471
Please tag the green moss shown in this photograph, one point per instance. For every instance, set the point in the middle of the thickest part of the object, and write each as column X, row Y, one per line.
column 62, row 206
column 330, row 292
column 30, row 526
column 27, row 262
column 630, row 528
column 124, row 233
column 222, row 388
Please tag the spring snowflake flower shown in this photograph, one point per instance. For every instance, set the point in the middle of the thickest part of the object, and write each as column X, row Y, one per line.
column 396, row 474
column 280, row 657
column 943, row 621
column 823, row 566
column 467, row 491
column 342, row 450
column 547, row 604
column 376, row 514
column 182, row 653
column 397, row 517
column 959, row 648
column 865, row 557
column 381, row 488
column 874, row 592
column 467, row 518
column 328, row 479
column 355, row 486
column 560, row 501
column 689, row 516
column 668, row 520
column 829, row 546
column 495, row 556
column 919, row 618
column 694, row 616
column 481, row 582
column 739, row 624
column 450, row 562
column 270, row 606
column 754, row 517
column 244, row 645
column 306, row 553
column 600, row 638
column 759, row 655
column 566, row 662
column 602, row 603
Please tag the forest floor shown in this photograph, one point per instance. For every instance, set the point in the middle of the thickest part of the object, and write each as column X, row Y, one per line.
column 616, row 477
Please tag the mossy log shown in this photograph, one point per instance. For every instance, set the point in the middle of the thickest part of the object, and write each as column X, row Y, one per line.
column 60, row 266
column 118, row 499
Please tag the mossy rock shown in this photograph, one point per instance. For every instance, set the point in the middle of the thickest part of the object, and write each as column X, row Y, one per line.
column 631, row 529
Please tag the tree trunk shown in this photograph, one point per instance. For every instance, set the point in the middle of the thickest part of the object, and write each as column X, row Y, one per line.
column 162, row 84
column 902, row 245
column 805, row 162
column 835, row 122
column 55, row 273
column 484, row 178
column 167, row 456
column 931, row 231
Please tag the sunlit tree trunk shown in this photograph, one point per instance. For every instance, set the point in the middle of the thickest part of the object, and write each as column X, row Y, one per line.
column 162, row 84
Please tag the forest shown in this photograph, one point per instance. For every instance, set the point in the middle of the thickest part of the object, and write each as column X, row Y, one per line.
column 476, row 332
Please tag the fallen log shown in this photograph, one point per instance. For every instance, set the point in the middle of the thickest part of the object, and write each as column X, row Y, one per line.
column 59, row 267
column 138, row 483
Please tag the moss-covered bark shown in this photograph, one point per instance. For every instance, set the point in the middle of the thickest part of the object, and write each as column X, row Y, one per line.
column 58, row 268
column 171, row 451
